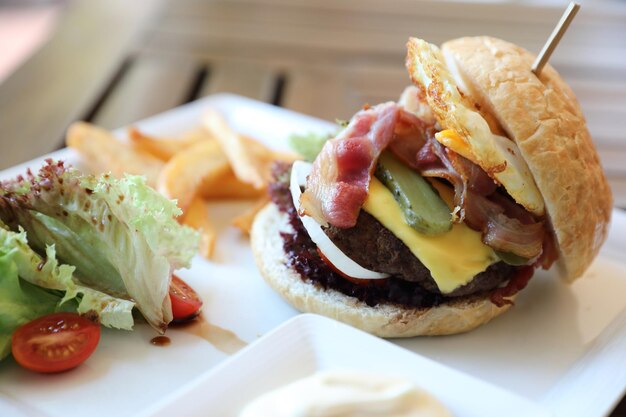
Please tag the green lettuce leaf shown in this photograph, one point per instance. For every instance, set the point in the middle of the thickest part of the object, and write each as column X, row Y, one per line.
column 120, row 234
column 47, row 273
column 20, row 302
column 32, row 286
column 308, row 145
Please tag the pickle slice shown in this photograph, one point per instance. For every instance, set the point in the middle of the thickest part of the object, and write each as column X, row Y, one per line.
column 511, row 258
column 423, row 208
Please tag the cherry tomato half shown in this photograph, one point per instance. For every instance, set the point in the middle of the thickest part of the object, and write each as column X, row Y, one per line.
column 186, row 303
column 55, row 343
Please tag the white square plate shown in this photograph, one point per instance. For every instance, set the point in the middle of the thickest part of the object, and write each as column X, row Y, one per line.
column 562, row 346
column 309, row 343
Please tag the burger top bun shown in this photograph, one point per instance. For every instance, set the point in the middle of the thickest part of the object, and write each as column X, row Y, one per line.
column 541, row 114
column 384, row 320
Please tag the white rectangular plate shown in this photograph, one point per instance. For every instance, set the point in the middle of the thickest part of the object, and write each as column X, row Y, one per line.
column 561, row 345
column 309, row 343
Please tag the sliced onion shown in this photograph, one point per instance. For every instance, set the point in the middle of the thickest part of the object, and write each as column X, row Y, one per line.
column 335, row 256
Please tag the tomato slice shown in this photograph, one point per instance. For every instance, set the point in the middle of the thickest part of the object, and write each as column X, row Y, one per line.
column 55, row 343
column 186, row 303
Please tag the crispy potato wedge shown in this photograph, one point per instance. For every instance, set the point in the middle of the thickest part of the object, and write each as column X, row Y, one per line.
column 182, row 175
column 244, row 221
column 165, row 148
column 197, row 217
column 227, row 186
column 103, row 152
column 248, row 158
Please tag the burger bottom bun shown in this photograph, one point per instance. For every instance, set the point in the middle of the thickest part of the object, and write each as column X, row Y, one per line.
column 384, row 320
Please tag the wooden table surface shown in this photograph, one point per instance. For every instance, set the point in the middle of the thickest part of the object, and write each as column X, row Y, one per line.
column 114, row 62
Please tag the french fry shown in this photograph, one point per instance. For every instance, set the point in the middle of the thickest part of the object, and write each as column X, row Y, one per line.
column 244, row 221
column 182, row 175
column 245, row 157
column 227, row 186
column 165, row 148
column 103, row 152
column 197, row 216
column 285, row 156
column 197, row 134
column 268, row 156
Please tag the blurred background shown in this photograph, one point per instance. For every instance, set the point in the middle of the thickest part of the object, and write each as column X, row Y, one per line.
column 113, row 62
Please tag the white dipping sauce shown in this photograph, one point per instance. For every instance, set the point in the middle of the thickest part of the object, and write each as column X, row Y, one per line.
column 346, row 394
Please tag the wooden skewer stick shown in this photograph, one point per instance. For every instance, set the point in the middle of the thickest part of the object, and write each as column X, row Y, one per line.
column 555, row 37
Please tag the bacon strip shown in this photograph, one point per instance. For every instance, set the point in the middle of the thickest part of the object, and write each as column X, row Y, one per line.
column 339, row 182
column 500, row 296
column 549, row 254
column 433, row 162
column 409, row 137
column 501, row 232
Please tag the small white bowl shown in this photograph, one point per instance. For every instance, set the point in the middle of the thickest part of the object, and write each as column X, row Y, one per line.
column 309, row 343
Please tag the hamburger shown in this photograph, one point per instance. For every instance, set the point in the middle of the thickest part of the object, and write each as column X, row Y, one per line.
column 428, row 216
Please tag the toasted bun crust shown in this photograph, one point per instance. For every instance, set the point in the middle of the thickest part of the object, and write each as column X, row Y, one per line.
column 382, row 320
column 541, row 114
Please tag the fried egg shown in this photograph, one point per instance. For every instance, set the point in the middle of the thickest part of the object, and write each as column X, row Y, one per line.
column 466, row 131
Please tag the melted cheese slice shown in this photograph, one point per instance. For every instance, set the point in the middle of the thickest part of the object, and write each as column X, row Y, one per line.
column 453, row 258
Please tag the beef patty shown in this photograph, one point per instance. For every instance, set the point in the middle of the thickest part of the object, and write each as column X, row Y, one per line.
column 373, row 247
